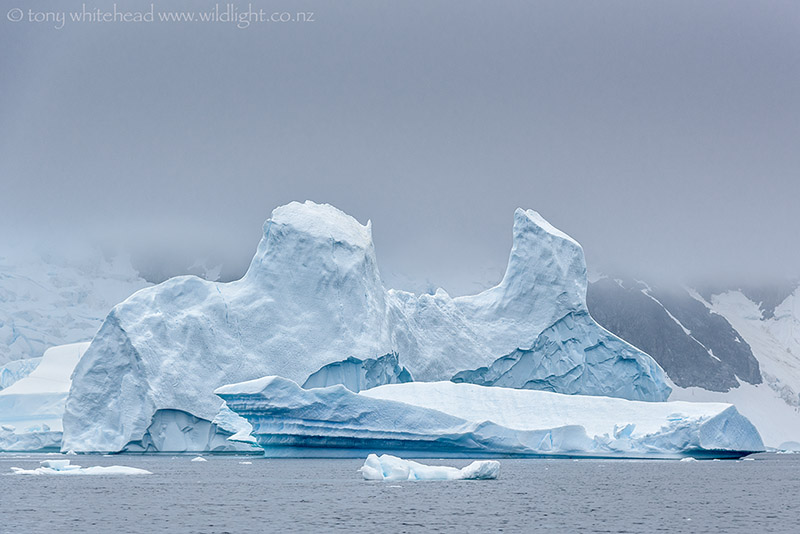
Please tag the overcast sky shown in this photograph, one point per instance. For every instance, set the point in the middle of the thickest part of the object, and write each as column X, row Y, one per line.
column 664, row 136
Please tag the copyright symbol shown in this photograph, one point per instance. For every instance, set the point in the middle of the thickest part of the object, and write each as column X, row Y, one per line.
column 15, row 14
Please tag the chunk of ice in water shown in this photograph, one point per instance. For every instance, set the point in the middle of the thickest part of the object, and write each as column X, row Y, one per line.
column 387, row 467
column 63, row 467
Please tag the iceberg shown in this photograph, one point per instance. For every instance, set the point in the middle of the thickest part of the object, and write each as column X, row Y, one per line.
column 63, row 467
column 392, row 468
column 313, row 297
column 445, row 419
column 31, row 409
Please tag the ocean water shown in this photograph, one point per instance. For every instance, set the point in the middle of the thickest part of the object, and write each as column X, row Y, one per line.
column 534, row 495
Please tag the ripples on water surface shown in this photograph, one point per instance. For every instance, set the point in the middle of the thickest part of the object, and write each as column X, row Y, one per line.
column 224, row 495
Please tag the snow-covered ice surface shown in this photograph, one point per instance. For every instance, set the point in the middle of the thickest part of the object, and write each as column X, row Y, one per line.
column 53, row 297
column 436, row 419
column 775, row 341
column 63, row 467
column 313, row 296
column 391, row 468
column 32, row 408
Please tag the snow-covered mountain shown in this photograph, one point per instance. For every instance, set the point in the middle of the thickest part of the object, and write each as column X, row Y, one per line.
column 32, row 408
column 737, row 345
column 51, row 298
column 313, row 296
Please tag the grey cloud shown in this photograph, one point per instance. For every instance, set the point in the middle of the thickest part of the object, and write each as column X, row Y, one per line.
column 663, row 136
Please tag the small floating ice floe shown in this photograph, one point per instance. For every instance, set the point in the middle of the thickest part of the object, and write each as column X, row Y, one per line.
column 689, row 459
column 199, row 459
column 387, row 467
column 63, row 467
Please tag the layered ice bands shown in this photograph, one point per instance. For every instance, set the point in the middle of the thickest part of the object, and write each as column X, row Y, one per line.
column 312, row 297
column 444, row 419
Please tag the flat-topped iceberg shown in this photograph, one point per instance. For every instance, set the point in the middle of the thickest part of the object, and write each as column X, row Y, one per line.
column 64, row 467
column 313, row 296
column 445, row 419
column 391, row 468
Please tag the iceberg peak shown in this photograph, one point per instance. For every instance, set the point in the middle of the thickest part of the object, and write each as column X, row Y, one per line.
column 545, row 280
column 322, row 221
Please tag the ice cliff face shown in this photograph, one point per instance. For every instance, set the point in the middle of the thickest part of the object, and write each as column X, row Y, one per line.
column 355, row 374
column 311, row 297
column 443, row 419
column 560, row 357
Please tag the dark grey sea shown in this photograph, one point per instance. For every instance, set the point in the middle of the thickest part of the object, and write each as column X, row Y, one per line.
column 225, row 495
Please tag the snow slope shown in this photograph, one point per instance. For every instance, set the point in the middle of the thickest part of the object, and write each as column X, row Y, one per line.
column 16, row 370
column 775, row 341
column 31, row 409
column 49, row 298
column 776, row 421
column 312, row 296
column 774, row 405
column 721, row 345
column 462, row 420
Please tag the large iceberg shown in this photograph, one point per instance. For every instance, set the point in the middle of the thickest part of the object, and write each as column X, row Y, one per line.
column 313, row 296
column 32, row 407
column 445, row 419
